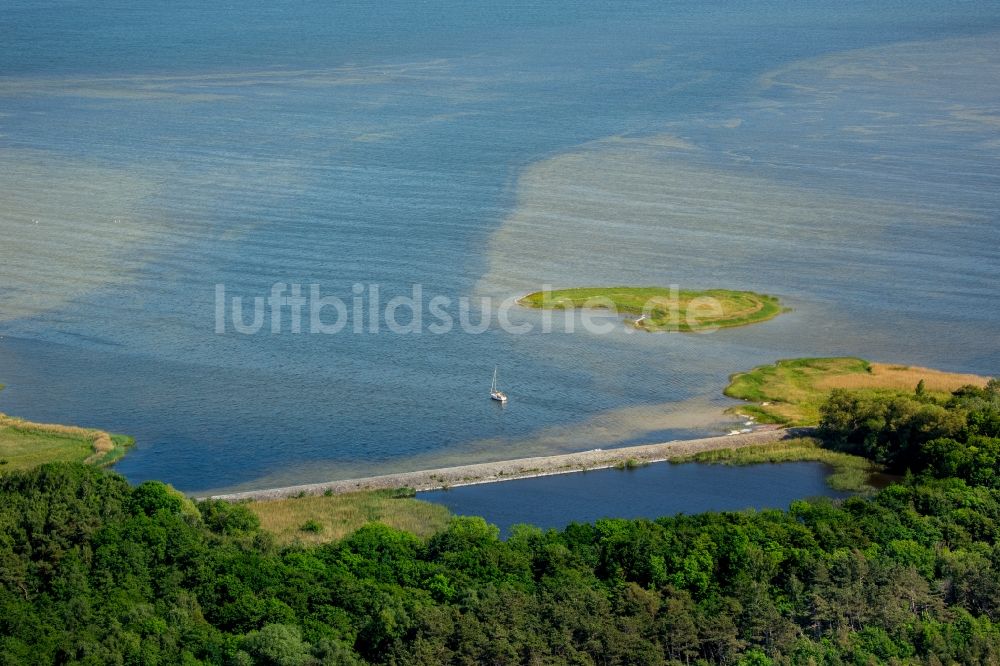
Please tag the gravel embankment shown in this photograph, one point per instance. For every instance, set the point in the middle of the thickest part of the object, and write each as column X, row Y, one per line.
column 521, row 468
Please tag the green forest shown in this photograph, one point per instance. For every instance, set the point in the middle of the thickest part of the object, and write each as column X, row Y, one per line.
column 95, row 571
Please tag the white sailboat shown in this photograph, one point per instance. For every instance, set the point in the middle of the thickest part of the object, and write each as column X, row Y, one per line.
column 495, row 393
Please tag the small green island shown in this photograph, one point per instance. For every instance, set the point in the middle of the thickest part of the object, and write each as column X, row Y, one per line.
column 662, row 309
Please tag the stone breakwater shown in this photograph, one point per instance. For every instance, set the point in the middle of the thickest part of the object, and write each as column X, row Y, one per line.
column 522, row 468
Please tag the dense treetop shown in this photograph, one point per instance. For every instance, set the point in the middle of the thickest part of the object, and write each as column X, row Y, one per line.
column 93, row 571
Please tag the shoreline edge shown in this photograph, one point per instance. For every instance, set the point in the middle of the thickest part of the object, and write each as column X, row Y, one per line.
column 523, row 468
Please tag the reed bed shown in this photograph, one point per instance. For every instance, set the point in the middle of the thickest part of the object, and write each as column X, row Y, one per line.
column 850, row 473
column 25, row 444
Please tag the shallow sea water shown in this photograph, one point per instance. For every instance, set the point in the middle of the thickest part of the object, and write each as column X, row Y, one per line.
column 831, row 154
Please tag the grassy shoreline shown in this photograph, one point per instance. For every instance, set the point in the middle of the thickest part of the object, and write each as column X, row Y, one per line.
column 25, row 444
column 662, row 309
column 790, row 391
column 321, row 518
column 850, row 473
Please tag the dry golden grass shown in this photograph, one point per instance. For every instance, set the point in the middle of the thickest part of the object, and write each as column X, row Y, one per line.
column 791, row 391
column 24, row 444
column 901, row 378
column 51, row 428
column 340, row 515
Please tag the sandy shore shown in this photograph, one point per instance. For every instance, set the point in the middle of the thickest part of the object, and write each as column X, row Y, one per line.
column 522, row 468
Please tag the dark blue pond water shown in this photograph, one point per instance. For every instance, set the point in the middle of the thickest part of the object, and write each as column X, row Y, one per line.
column 661, row 489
